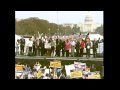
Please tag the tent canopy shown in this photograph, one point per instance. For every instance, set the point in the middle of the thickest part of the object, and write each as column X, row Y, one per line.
column 17, row 37
column 96, row 36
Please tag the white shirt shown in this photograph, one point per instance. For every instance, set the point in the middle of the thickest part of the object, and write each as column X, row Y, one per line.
column 30, row 43
column 73, row 43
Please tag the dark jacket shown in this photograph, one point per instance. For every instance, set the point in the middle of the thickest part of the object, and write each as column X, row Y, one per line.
column 88, row 44
column 77, row 47
column 22, row 42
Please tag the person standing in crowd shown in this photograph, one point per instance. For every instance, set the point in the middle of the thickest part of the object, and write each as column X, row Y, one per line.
column 95, row 46
column 72, row 47
column 26, row 47
column 63, row 47
column 30, row 46
column 42, row 48
column 49, row 47
column 34, row 47
column 17, row 47
column 59, row 47
column 80, row 40
column 39, row 44
column 57, row 43
column 67, row 47
column 46, row 46
column 88, row 45
column 77, row 47
column 82, row 45
column 37, row 47
column 52, row 47
column 22, row 45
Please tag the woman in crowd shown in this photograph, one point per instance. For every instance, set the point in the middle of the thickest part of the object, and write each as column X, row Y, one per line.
column 52, row 47
column 67, row 47
column 82, row 45
column 88, row 46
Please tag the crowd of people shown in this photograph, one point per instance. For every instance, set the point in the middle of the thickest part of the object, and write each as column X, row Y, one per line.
column 57, row 46
column 43, row 72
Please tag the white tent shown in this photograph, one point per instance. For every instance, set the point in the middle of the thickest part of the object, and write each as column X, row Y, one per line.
column 97, row 36
column 17, row 37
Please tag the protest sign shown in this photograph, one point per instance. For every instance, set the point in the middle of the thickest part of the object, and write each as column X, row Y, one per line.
column 39, row 74
column 80, row 65
column 94, row 76
column 68, row 68
column 55, row 64
column 19, row 67
column 76, row 74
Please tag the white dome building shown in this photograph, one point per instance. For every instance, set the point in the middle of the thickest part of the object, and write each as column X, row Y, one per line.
column 89, row 25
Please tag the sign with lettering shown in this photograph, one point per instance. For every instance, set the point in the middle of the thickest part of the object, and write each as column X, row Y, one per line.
column 55, row 64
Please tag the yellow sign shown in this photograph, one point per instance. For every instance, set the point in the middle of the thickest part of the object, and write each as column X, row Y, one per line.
column 19, row 67
column 76, row 74
column 39, row 74
column 96, row 76
column 55, row 64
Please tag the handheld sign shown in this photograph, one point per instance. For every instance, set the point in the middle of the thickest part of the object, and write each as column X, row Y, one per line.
column 96, row 76
column 55, row 64
column 19, row 67
column 39, row 74
column 76, row 74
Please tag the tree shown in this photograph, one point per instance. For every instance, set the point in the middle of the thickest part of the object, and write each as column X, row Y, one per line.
column 99, row 30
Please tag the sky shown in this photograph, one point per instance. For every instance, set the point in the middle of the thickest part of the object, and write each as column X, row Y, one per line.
column 61, row 17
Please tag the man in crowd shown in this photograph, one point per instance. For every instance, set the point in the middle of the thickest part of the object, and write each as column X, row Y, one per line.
column 88, row 46
column 22, row 45
column 95, row 46
column 63, row 47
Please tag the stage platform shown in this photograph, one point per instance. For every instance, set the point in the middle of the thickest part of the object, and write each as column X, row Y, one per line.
column 57, row 58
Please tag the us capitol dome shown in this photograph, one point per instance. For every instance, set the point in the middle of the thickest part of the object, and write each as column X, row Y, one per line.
column 89, row 25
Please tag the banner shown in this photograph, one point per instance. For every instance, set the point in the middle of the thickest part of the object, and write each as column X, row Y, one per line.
column 76, row 74
column 19, row 67
column 55, row 64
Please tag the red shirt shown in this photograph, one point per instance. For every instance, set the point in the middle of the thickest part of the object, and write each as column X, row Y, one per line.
column 68, row 46
column 82, row 44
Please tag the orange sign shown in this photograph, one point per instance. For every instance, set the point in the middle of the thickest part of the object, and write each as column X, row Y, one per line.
column 19, row 67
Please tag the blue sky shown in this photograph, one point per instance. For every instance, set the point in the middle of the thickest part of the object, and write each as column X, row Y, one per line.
column 63, row 16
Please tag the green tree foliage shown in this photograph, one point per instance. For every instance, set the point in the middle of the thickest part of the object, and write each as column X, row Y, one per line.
column 33, row 25
column 99, row 30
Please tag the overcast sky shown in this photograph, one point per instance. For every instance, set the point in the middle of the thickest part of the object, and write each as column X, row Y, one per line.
column 63, row 16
